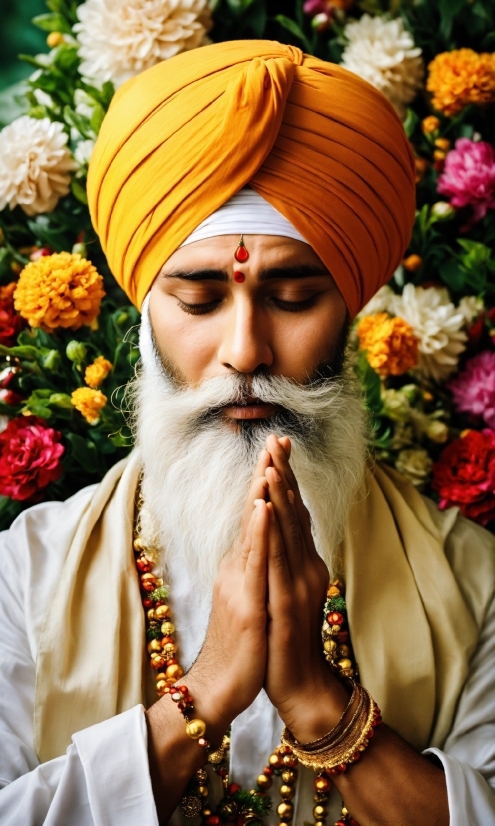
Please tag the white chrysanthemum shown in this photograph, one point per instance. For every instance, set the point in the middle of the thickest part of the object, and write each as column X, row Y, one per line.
column 383, row 53
column 380, row 303
column 471, row 306
column 35, row 165
column 83, row 152
column 437, row 323
column 120, row 38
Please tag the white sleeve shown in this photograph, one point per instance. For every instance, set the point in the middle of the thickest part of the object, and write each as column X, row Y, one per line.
column 103, row 780
column 468, row 755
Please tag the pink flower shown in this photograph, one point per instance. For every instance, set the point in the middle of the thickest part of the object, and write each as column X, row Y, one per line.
column 474, row 389
column 469, row 177
column 29, row 458
column 314, row 7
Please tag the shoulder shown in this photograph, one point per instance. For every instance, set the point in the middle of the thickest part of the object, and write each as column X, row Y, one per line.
column 470, row 550
column 33, row 551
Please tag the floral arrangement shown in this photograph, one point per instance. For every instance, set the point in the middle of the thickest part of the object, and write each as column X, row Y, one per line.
column 423, row 348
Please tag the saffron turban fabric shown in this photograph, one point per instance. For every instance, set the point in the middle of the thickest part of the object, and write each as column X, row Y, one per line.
column 317, row 142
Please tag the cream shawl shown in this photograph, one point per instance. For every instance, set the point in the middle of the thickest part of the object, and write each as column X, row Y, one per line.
column 414, row 617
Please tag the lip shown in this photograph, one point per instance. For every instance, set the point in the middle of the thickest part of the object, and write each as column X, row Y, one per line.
column 254, row 409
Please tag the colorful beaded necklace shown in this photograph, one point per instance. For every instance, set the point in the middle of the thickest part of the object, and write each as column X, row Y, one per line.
column 243, row 808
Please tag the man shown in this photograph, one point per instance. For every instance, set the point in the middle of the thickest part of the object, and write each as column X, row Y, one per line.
column 250, row 200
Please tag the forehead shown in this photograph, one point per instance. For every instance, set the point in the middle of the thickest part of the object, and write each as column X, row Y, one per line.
column 264, row 250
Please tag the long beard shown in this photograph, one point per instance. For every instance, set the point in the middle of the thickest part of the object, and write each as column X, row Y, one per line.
column 198, row 467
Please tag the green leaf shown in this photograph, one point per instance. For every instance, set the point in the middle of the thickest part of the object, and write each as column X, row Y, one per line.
column 85, row 453
column 97, row 118
column 62, row 400
column 410, row 122
column 52, row 23
column 371, row 383
column 294, row 29
column 79, row 191
column 23, row 352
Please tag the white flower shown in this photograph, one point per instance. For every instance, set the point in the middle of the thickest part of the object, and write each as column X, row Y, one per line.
column 470, row 306
column 83, row 152
column 437, row 323
column 120, row 38
column 34, row 165
column 415, row 464
column 383, row 53
column 43, row 99
column 380, row 303
column 85, row 105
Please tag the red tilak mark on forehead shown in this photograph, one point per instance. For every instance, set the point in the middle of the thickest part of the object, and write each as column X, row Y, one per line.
column 239, row 277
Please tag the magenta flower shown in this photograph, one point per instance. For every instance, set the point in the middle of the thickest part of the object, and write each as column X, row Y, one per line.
column 474, row 389
column 316, row 7
column 468, row 178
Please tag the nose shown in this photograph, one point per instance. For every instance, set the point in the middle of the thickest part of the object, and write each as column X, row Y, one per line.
column 245, row 344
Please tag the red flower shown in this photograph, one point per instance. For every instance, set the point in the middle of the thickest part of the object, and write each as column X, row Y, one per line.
column 11, row 323
column 465, row 475
column 29, row 458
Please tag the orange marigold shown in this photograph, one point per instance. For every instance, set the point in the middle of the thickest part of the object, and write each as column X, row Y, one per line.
column 97, row 372
column 390, row 344
column 59, row 290
column 89, row 402
column 459, row 78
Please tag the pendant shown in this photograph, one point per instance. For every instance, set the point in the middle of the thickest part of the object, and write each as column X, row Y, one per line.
column 241, row 254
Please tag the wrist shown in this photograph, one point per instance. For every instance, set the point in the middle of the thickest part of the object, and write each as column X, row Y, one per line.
column 209, row 705
column 317, row 710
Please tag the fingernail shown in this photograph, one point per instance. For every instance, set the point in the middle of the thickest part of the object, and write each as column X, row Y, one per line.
column 290, row 496
column 276, row 477
column 258, row 502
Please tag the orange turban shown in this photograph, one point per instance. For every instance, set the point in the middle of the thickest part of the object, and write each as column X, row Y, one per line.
column 320, row 144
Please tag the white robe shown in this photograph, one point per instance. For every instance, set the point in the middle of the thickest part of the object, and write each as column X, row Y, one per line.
column 103, row 780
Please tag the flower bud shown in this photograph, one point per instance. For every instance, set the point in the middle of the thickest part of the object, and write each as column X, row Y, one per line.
column 412, row 263
column 52, row 360
column 430, row 124
column 79, row 249
column 54, row 39
column 320, row 22
column 76, row 351
column 442, row 211
column 437, row 432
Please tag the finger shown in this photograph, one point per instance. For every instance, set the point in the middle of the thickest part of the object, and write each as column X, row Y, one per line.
column 282, row 465
column 287, row 518
column 285, row 443
column 255, row 575
column 257, row 489
column 279, row 578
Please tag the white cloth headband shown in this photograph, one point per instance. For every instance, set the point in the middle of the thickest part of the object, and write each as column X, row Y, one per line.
column 246, row 213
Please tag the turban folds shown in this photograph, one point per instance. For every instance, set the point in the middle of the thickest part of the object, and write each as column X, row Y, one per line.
column 317, row 142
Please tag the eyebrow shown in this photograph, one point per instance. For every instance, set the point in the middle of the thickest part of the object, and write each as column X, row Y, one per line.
column 267, row 274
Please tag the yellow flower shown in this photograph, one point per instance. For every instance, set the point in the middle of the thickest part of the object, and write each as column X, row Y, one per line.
column 390, row 344
column 459, row 78
column 97, row 372
column 59, row 290
column 89, row 402
column 430, row 124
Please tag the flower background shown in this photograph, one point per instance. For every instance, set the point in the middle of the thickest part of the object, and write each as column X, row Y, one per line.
column 423, row 348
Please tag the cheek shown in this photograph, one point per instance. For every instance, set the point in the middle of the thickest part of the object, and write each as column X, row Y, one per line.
column 306, row 340
column 190, row 346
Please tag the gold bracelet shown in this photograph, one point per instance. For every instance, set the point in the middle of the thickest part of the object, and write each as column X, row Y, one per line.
column 323, row 742
column 347, row 747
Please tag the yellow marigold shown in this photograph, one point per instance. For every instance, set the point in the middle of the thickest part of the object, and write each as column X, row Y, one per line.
column 59, row 290
column 89, row 402
column 97, row 372
column 390, row 344
column 459, row 78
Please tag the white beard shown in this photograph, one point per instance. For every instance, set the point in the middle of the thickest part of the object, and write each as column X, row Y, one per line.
column 197, row 468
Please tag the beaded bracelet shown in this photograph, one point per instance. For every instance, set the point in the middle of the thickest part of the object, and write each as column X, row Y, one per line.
column 195, row 728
